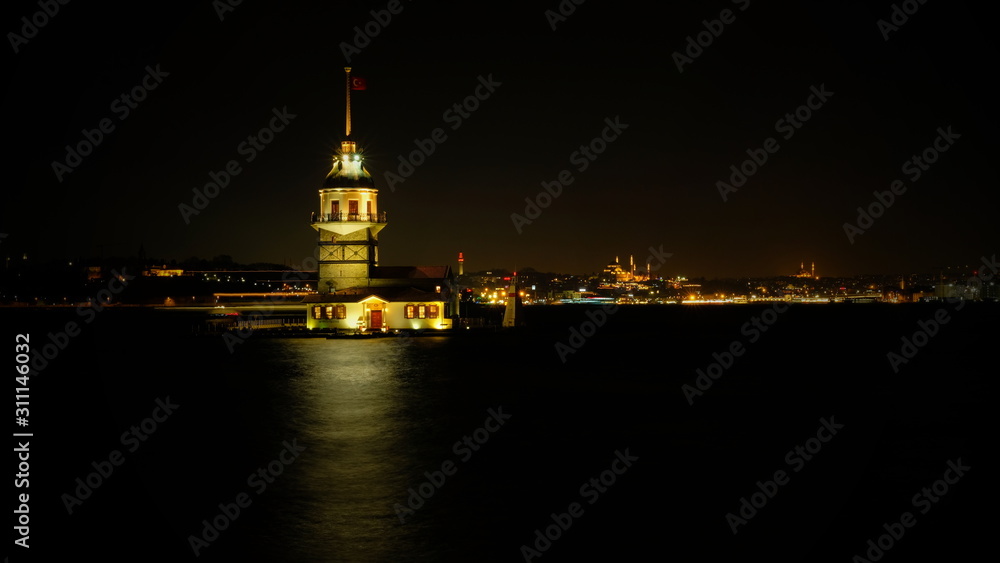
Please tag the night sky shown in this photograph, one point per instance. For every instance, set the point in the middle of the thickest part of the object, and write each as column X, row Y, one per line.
column 653, row 186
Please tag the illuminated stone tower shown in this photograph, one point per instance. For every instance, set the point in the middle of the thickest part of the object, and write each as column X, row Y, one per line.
column 349, row 220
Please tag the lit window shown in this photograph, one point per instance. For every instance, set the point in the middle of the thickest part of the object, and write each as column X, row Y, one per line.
column 432, row 311
column 317, row 312
column 341, row 311
column 422, row 311
column 409, row 312
column 329, row 311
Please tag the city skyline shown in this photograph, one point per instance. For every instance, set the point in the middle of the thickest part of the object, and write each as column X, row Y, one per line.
column 739, row 156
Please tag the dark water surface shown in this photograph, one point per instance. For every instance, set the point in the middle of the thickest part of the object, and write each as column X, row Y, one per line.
column 372, row 416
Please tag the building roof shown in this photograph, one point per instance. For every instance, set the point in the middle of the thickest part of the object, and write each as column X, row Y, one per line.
column 411, row 272
column 391, row 294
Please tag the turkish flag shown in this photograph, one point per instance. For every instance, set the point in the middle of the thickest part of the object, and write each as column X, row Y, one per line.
column 358, row 83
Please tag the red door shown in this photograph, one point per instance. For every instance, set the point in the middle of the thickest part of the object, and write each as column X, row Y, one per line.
column 352, row 210
column 335, row 210
column 376, row 319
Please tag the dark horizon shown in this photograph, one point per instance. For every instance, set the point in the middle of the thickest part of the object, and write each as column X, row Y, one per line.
column 874, row 99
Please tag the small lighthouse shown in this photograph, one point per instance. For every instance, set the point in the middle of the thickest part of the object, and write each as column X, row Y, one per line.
column 512, row 314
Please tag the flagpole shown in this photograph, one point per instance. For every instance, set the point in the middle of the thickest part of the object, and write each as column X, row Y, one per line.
column 347, row 70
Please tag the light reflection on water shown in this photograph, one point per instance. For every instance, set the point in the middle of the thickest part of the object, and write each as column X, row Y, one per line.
column 351, row 403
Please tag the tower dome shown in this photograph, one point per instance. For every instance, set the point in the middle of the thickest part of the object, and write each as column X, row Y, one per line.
column 348, row 170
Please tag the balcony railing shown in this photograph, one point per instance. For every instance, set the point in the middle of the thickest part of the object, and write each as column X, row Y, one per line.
column 344, row 216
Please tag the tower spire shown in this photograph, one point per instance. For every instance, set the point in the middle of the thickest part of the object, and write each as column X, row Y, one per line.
column 347, row 71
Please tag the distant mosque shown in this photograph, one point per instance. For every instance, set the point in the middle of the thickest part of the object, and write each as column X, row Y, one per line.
column 614, row 272
column 804, row 273
column 353, row 291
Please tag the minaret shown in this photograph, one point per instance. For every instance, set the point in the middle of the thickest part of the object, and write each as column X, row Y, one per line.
column 348, row 221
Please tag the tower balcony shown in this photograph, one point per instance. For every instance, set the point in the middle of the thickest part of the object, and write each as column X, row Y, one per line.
column 345, row 217
column 345, row 223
